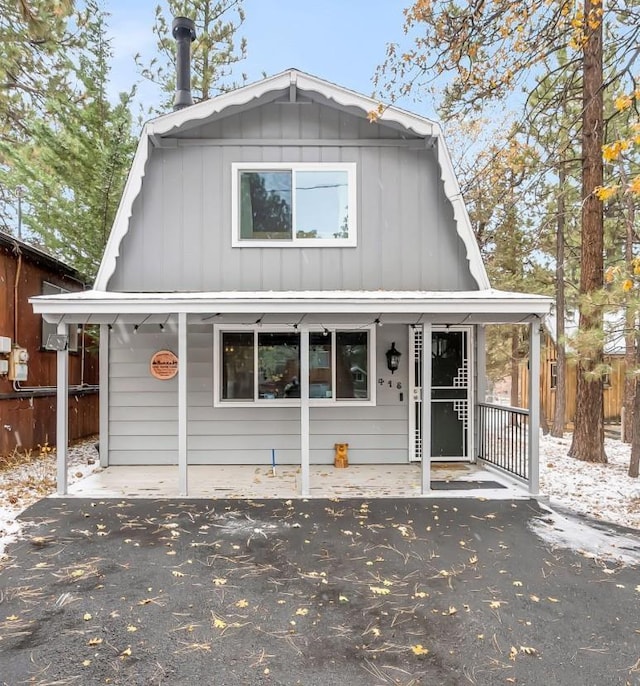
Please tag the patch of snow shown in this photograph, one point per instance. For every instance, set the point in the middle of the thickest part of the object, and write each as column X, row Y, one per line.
column 242, row 526
column 601, row 542
column 29, row 481
column 602, row 491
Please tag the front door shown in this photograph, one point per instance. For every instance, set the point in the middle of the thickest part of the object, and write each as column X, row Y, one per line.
column 450, row 390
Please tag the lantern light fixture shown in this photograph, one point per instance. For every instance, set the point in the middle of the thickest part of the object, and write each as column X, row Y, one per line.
column 393, row 358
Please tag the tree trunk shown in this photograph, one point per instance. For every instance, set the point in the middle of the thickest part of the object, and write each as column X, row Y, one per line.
column 634, row 462
column 557, row 429
column 544, row 424
column 630, row 383
column 629, row 401
column 588, row 436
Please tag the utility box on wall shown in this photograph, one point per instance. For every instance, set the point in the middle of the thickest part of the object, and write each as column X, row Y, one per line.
column 18, row 364
column 5, row 345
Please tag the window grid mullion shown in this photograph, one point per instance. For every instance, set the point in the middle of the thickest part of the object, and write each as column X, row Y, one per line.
column 294, row 210
column 334, row 376
column 256, row 369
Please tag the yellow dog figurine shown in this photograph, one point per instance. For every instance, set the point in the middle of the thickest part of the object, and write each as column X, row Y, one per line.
column 342, row 455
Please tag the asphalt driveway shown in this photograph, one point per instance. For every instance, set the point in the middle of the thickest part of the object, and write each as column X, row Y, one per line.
column 318, row 592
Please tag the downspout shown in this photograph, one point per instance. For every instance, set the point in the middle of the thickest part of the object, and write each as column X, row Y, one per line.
column 15, row 297
column 82, row 351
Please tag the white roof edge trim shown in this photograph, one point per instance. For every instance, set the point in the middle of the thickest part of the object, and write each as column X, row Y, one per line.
column 342, row 96
column 463, row 303
column 461, row 216
column 120, row 226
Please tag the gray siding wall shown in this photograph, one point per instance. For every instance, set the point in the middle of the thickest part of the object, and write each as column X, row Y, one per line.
column 143, row 411
column 180, row 233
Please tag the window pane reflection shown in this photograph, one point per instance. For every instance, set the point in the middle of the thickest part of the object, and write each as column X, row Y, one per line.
column 322, row 204
column 278, row 365
column 320, row 385
column 237, row 366
column 352, row 365
column 265, row 205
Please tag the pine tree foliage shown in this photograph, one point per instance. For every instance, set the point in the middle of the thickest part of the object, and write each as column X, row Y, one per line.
column 34, row 37
column 34, row 40
column 74, row 163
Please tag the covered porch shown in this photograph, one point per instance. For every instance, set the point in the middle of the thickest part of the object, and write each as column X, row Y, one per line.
column 504, row 438
column 260, row 482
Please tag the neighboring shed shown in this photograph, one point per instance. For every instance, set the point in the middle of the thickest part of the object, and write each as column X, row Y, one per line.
column 28, row 402
column 281, row 276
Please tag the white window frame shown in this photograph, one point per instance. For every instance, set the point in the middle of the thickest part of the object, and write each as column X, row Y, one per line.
column 54, row 289
column 553, row 374
column 218, row 329
column 350, row 242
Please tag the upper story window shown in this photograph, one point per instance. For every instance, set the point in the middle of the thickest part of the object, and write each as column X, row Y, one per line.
column 294, row 204
column 47, row 328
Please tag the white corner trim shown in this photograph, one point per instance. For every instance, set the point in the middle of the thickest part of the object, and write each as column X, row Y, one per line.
column 120, row 226
column 460, row 214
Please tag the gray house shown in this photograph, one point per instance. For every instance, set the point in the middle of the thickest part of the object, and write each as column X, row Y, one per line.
column 285, row 274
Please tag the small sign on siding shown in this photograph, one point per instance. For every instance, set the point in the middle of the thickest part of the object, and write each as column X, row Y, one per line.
column 164, row 365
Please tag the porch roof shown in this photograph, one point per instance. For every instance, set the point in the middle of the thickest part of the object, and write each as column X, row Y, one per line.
column 472, row 306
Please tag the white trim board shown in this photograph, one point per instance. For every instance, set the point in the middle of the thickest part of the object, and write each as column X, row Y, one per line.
column 456, row 306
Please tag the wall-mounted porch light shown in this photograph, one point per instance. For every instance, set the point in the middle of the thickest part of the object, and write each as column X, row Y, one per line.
column 393, row 358
column 57, row 341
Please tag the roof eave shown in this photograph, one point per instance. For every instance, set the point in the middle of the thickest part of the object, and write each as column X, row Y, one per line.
column 268, row 303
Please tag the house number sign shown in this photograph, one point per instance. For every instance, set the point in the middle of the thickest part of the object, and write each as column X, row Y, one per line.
column 164, row 365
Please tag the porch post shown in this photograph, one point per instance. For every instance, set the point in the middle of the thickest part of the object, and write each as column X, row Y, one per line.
column 62, row 411
column 426, row 409
column 481, row 363
column 304, row 411
column 182, row 403
column 104, row 395
column 534, row 408
column 481, row 386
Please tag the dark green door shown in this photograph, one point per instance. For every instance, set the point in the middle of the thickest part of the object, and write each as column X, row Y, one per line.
column 450, row 394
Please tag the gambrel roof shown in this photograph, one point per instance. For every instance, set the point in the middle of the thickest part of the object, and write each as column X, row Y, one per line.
column 271, row 88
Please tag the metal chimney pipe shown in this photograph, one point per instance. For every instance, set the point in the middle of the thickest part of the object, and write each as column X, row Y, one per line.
column 184, row 31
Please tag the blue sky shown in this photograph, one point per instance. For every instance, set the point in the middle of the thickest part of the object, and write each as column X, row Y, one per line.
column 341, row 41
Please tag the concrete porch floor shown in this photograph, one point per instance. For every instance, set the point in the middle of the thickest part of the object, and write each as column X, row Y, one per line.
column 258, row 481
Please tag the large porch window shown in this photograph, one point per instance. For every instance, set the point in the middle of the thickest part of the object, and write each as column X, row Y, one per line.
column 263, row 367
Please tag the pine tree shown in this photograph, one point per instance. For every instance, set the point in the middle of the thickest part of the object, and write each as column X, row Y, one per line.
column 488, row 50
column 74, row 164
column 34, row 40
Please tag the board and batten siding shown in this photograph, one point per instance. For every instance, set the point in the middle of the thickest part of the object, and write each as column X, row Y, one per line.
column 143, row 411
column 180, row 229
